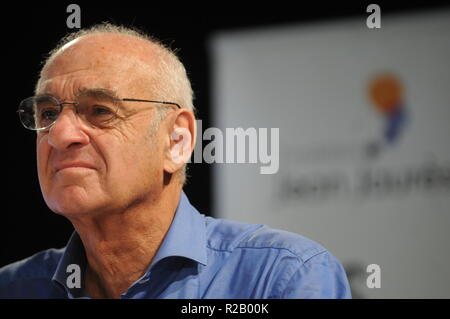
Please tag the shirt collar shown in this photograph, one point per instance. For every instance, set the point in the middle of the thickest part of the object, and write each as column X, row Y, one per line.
column 186, row 238
column 73, row 255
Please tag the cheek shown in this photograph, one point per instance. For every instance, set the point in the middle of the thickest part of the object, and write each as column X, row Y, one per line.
column 145, row 158
column 42, row 155
column 141, row 160
column 42, row 158
column 132, row 172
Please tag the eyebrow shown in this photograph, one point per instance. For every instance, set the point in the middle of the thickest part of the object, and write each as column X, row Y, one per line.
column 103, row 94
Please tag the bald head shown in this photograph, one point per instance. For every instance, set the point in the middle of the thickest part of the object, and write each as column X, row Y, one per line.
column 104, row 50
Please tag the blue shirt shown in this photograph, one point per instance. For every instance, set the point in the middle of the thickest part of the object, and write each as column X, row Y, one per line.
column 200, row 257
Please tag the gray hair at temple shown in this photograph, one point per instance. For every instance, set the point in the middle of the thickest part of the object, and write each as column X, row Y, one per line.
column 170, row 77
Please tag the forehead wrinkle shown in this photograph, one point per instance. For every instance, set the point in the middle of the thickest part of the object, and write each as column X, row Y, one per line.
column 98, row 92
column 113, row 73
column 47, row 67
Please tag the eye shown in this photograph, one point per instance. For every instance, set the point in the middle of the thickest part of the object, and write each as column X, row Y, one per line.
column 98, row 110
column 49, row 115
column 100, row 115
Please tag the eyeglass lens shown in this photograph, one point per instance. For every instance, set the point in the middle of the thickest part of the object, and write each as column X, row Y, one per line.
column 40, row 112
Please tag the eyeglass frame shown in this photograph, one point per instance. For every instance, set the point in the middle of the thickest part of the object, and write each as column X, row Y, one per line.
column 60, row 104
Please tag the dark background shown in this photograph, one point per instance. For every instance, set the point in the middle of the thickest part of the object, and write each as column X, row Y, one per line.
column 31, row 30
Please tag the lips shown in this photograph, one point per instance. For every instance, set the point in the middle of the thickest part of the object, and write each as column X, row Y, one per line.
column 76, row 164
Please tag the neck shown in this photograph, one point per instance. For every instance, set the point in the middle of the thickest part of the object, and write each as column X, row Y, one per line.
column 120, row 246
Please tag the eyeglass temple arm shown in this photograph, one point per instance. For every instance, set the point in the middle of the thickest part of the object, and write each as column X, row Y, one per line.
column 152, row 101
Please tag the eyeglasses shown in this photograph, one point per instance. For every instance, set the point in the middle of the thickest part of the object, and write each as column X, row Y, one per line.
column 40, row 112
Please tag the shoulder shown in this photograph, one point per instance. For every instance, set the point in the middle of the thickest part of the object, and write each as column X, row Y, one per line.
column 227, row 235
column 38, row 266
column 274, row 263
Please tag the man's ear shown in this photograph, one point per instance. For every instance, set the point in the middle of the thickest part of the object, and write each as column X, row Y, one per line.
column 182, row 137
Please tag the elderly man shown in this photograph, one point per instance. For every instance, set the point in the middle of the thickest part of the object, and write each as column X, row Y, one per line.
column 115, row 125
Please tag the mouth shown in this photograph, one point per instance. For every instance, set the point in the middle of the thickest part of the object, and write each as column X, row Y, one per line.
column 73, row 165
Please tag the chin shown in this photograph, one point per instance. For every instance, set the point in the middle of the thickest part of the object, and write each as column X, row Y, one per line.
column 72, row 201
column 69, row 209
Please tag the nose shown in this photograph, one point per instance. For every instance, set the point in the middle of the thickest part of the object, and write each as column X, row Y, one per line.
column 67, row 131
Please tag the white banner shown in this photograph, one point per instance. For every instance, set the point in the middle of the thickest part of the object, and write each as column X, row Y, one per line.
column 364, row 142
